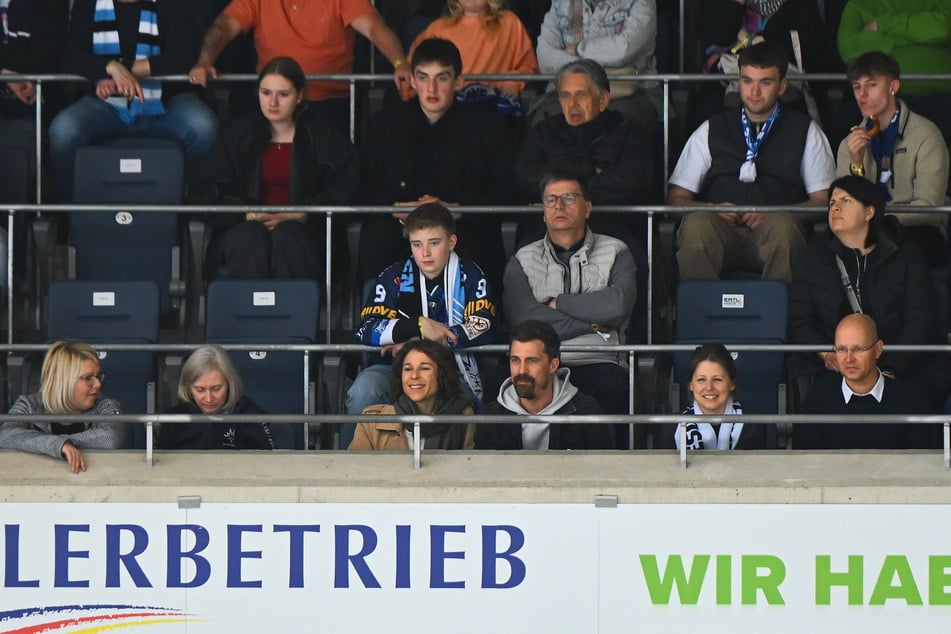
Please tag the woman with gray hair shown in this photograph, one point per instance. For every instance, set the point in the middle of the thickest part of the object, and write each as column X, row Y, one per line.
column 70, row 383
column 211, row 386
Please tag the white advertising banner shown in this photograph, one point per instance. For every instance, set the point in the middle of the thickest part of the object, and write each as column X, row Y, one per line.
column 775, row 568
column 235, row 568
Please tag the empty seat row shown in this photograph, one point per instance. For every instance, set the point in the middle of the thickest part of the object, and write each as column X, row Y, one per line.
column 238, row 312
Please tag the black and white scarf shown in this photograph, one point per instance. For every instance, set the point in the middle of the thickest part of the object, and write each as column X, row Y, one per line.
column 703, row 436
column 765, row 8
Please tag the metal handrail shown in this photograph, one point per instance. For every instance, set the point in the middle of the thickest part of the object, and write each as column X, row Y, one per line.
column 330, row 211
column 491, row 348
column 345, row 210
column 530, row 77
column 457, row 419
column 348, row 210
column 353, row 79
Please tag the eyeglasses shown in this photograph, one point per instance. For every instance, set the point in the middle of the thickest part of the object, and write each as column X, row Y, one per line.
column 843, row 350
column 89, row 378
column 550, row 200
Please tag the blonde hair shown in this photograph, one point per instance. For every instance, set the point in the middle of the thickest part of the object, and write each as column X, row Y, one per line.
column 454, row 12
column 61, row 369
column 204, row 360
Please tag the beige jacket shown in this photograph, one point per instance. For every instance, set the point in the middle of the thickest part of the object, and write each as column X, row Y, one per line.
column 920, row 168
column 389, row 436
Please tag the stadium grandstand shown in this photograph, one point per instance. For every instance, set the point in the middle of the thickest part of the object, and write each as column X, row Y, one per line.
column 119, row 522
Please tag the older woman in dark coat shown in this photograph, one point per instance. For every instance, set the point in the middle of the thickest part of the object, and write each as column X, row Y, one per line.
column 888, row 280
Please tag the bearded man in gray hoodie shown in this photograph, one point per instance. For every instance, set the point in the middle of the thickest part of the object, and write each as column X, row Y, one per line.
column 538, row 386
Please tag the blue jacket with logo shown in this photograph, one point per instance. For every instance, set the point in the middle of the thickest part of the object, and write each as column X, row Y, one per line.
column 385, row 319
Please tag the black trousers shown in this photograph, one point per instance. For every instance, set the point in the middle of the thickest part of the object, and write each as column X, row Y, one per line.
column 249, row 250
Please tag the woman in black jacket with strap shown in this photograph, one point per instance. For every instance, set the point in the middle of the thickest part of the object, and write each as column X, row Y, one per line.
column 889, row 279
column 275, row 157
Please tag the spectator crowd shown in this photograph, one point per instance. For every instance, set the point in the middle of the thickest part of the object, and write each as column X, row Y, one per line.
column 434, row 280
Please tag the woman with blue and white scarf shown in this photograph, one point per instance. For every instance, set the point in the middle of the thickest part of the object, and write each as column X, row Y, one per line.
column 119, row 45
column 712, row 376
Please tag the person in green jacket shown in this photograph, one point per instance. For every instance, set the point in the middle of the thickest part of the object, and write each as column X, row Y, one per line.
column 917, row 33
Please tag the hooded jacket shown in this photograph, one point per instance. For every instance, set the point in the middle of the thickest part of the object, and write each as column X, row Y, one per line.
column 566, row 400
column 465, row 157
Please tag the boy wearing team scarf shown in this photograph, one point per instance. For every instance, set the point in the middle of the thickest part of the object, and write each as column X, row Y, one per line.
column 433, row 295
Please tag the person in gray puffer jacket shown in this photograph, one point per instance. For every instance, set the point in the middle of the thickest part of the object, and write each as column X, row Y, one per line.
column 581, row 283
column 70, row 383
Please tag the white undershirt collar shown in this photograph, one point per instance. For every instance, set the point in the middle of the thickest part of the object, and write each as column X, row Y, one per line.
column 877, row 390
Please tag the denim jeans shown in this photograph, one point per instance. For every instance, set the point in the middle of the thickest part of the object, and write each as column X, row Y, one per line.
column 91, row 120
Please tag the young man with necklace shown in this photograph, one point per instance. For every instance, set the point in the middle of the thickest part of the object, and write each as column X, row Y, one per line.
column 760, row 154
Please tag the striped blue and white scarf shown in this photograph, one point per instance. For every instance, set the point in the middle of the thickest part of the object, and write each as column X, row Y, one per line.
column 454, row 297
column 105, row 41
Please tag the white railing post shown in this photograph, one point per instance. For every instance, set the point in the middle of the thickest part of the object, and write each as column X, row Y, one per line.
column 416, row 448
column 682, row 432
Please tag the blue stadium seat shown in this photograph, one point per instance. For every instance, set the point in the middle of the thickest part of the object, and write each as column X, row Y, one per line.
column 112, row 312
column 735, row 312
column 124, row 245
column 269, row 311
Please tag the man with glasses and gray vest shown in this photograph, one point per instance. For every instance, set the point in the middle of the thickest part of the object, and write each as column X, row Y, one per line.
column 580, row 282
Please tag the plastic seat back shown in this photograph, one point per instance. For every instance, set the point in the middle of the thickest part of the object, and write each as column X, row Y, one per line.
column 733, row 312
column 112, row 312
column 126, row 245
column 269, row 311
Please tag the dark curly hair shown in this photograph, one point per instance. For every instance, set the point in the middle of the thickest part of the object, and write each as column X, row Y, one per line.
column 447, row 376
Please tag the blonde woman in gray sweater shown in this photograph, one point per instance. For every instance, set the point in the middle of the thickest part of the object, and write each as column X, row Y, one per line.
column 70, row 383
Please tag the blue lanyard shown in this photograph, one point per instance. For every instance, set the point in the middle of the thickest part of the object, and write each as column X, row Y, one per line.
column 753, row 145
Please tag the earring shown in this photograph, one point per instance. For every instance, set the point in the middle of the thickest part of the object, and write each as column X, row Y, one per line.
column 893, row 92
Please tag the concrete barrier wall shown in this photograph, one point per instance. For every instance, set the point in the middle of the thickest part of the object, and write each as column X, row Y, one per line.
column 485, row 477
